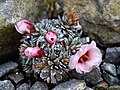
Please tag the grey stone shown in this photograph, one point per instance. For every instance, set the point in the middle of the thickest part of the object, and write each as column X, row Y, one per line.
column 101, row 86
column 94, row 77
column 99, row 18
column 114, row 87
column 88, row 88
column 91, row 78
column 113, row 55
column 110, row 68
column 71, row 85
column 16, row 77
column 24, row 86
column 111, row 80
column 6, row 85
column 14, row 10
column 118, row 70
column 39, row 86
column 7, row 67
column 74, row 74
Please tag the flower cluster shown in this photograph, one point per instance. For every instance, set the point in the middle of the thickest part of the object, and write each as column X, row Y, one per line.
column 52, row 48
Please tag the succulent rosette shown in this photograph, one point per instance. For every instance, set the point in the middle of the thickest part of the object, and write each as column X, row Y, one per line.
column 47, row 51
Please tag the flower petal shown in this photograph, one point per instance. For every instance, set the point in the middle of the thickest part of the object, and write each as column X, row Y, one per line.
column 78, row 69
column 85, row 67
column 95, row 56
column 74, row 59
column 72, row 63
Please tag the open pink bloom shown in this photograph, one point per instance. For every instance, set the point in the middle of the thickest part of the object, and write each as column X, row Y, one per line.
column 86, row 58
column 24, row 27
column 35, row 52
column 51, row 37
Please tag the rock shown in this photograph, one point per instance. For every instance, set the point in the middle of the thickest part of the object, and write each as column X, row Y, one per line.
column 101, row 86
column 16, row 77
column 12, row 11
column 118, row 71
column 74, row 74
column 24, row 86
column 111, row 80
column 39, row 86
column 87, row 88
column 100, row 19
column 91, row 78
column 71, row 85
column 94, row 77
column 113, row 55
column 7, row 67
column 110, row 68
column 114, row 87
column 6, row 85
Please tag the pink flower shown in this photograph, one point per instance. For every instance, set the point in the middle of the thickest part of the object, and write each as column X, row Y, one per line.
column 35, row 52
column 51, row 37
column 24, row 27
column 86, row 58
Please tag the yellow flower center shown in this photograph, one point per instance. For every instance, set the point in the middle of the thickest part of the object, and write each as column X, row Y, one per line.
column 83, row 58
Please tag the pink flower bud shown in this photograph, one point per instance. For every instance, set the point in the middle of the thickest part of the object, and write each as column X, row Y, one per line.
column 51, row 37
column 35, row 52
column 24, row 27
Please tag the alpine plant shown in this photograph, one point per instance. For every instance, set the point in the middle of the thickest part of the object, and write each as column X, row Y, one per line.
column 46, row 47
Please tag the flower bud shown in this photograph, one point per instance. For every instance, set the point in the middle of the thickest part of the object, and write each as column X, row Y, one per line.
column 51, row 37
column 35, row 52
column 24, row 27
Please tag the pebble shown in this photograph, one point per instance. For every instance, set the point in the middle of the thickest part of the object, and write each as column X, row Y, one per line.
column 71, row 85
column 111, row 80
column 113, row 55
column 115, row 87
column 6, row 85
column 94, row 77
column 118, row 71
column 110, row 68
column 24, row 86
column 101, row 86
column 39, row 86
column 7, row 67
column 16, row 77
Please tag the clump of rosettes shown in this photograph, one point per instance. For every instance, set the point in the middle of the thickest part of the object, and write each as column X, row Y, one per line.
column 58, row 39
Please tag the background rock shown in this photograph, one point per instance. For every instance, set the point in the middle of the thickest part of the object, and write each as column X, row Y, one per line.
column 113, row 55
column 115, row 87
column 16, row 77
column 118, row 71
column 39, row 86
column 24, row 86
column 14, row 10
column 99, row 18
column 101, row 86
column 92, row 78
column 71, row 85
column 6, row 85
column 7, row 67
column 110, row 68
column 111, row 80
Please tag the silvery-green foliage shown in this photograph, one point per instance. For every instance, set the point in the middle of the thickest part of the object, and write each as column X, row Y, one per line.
column 57, row 56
